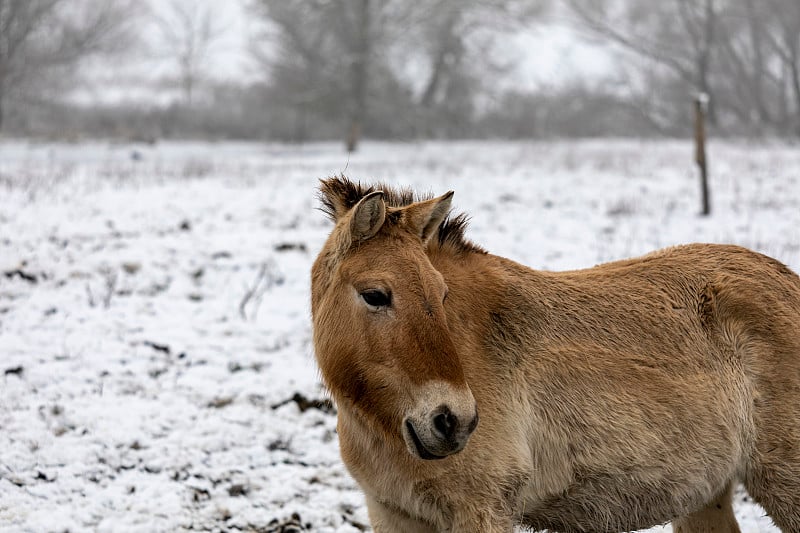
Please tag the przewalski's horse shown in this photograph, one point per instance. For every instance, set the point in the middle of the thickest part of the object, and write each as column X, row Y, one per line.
column 614, row 398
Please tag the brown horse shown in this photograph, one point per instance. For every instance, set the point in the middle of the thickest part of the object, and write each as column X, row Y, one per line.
column 615, row 398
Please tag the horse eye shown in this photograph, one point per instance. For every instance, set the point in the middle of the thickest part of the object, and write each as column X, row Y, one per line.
column 376, row 298
column 446, row 292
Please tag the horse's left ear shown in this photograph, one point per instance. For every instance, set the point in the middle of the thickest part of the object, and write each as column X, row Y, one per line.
column 426, row 217
column 367, row 216
column 360, row 223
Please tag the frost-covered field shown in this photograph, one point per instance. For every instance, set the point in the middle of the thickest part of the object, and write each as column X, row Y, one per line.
column 158, row 372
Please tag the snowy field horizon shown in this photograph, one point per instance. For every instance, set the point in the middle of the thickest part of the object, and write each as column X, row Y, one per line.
column 155, row 336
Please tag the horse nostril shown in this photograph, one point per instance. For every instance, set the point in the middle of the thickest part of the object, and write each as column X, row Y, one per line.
column 445, row 422
column 473, row 423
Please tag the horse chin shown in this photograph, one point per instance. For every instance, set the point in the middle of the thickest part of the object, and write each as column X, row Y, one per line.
column 418, row 449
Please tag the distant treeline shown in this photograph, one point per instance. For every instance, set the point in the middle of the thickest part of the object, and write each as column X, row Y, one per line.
column 233, row 112
column 402, row 69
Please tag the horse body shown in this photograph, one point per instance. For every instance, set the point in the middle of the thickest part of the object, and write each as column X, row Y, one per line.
column 610, row 399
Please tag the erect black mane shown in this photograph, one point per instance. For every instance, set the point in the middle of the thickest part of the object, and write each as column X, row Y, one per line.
column 339, row 192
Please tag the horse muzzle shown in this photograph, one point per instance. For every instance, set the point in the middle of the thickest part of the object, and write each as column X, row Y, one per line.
column 443, row 430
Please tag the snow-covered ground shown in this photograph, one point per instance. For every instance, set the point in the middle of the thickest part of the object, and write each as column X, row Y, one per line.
column 158, row 373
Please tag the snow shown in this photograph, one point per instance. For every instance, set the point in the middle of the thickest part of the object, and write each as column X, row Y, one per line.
column 140, row 394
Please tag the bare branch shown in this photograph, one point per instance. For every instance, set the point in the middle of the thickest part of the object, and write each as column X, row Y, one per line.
column 641, row 44
column 39, row 38
column 187, row 33
column 266, row 278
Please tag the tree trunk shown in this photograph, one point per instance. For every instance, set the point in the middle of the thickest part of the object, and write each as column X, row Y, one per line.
column 433, row 83
column 704, row 60
column 796, row 87
column 2, row 95
column 353, row 135
column 445, row 47
column 360, row 69
column 300, row 124
column 794, row 69
column 759, row 66
column 188, row 89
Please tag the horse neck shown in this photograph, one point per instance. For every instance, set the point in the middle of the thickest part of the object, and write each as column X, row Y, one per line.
column 486, row 279
column 483, row 287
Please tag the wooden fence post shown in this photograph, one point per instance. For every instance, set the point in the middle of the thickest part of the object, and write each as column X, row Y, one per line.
column 700, row 110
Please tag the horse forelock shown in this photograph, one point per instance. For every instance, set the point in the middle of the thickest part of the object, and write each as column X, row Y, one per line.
column 338, row 195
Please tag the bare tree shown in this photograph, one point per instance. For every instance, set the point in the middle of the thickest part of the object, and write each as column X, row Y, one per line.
column 41, row 38
column 784, row 41
column 744, row 53
column 360, row 51
column 328, row 55
column 455, row 39
column 349, row 60
column 754, row 75
column 304, row 75
column 679, row 35
column 188, row 32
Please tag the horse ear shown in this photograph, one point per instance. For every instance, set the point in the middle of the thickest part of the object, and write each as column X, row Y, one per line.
column 367, row 216
column 426, row 217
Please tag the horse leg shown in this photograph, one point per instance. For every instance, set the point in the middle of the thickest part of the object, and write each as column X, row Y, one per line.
column 385, row 519
column 481, row 522
column 776, row 487
column 716, row 517
column 773, row 476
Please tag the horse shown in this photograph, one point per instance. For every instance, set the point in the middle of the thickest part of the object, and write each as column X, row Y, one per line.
column 475, row 394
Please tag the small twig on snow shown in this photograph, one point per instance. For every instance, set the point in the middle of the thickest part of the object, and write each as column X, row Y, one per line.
column 267, row 277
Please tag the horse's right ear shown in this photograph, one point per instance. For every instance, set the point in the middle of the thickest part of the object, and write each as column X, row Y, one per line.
column 367, row 216
column 356, row 225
